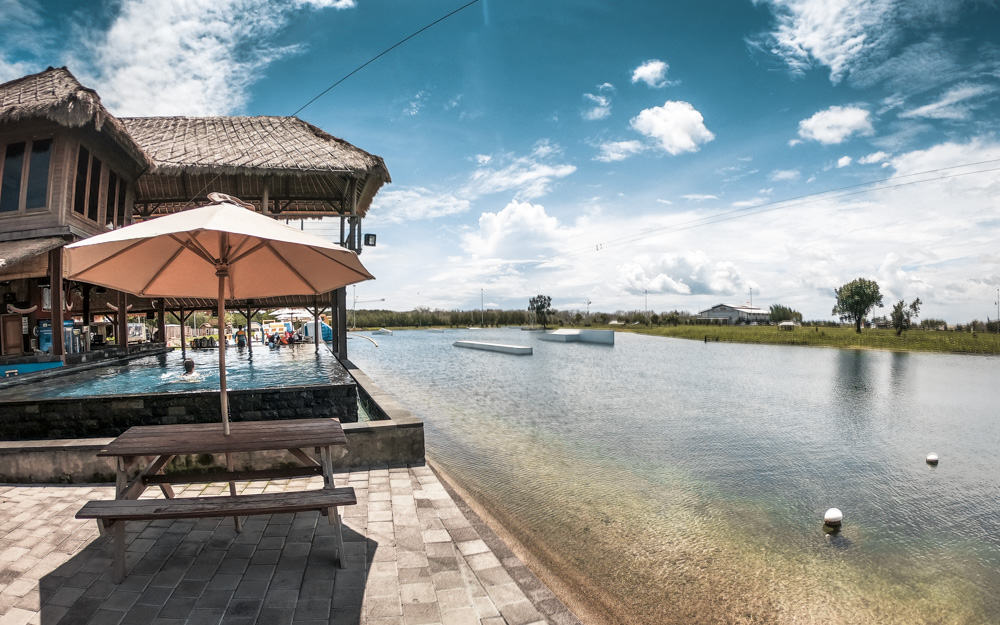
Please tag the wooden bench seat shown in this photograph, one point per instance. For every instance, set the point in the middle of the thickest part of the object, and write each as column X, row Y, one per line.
column 113, row 513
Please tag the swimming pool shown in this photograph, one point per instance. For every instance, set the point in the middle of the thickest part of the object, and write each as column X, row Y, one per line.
column 290, row 365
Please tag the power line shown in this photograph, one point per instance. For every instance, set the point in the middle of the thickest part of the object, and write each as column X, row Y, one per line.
column 348, row 75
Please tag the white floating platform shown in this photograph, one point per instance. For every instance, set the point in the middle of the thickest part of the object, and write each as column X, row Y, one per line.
column 600, row 337
column 518, row 350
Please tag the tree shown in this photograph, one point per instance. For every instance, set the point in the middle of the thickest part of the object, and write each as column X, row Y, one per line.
column 540, row 305
column 903, row 315
column 784, row 313
column 855, row 300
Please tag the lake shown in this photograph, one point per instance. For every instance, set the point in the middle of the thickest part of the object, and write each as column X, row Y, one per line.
column 676, row 481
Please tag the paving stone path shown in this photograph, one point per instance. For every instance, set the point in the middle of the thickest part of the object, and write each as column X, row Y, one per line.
column 412, row 555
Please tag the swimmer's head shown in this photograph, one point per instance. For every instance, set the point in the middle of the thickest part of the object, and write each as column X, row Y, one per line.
column 188, row 366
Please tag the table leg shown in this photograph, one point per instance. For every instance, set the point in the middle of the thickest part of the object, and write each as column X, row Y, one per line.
column 118, row 549
column 237, row 523
column 332, row 514
column 121, row 477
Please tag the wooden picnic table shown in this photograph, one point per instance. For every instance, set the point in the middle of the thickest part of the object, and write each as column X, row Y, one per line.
column 157, row 445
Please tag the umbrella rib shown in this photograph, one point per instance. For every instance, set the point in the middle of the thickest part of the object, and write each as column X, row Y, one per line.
column 367, row 276
column 248, row 252
column 193, row 245
column 112, row 256
column 162, row 267
column 234, row 252
column 290, row 267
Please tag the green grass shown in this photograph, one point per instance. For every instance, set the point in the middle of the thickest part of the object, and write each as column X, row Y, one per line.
column 912, row 340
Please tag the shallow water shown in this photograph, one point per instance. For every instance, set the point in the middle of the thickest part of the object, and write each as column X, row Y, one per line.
column 286, row 366
column 686, row 482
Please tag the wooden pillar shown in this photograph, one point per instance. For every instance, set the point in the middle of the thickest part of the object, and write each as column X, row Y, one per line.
column 182, row 318
column 88, row 318
column 161, row 320
column 316, row 322
column 56, row 301
column 122, row 319
column 249, row 316
column 339, row 313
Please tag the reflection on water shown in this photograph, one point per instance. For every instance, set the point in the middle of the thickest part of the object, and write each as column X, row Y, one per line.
column 685, row 482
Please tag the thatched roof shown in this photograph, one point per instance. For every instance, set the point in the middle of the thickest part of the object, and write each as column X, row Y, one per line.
column 305, row 168
column 56, row 95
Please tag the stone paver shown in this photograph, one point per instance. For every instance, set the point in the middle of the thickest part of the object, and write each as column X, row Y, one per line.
column 412, row 556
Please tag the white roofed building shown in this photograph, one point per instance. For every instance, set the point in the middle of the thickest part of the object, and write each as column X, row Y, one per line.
column 726, row 314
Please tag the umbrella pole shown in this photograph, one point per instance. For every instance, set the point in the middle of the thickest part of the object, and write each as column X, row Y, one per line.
column 223, row 392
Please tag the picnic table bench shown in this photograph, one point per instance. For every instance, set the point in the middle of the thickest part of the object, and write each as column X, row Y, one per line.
column 159, row 444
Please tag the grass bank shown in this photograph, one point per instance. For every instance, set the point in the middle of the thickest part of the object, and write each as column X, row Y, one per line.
column 847, row 338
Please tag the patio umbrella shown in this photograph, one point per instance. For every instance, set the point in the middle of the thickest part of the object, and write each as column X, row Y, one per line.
column 217, row 251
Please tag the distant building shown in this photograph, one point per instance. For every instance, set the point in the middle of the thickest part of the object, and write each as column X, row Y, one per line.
column 729, row 315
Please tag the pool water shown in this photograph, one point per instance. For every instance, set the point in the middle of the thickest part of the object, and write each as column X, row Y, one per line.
column 676, row 481
column 289, row 365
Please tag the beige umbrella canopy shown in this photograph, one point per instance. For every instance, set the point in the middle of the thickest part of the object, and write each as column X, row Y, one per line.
column 220, row 250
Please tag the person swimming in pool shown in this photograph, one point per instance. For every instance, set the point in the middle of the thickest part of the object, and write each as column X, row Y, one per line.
column 189, row 367
column 241, row 337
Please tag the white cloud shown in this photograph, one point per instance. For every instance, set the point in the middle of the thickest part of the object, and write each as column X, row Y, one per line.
column 529, row 176
column 193, row 58
column 838, row 34
column 416, row 104
column 23, row 36
column 401, row 205
column 953, row 104
column 618, row 150
column 600, row 102
column 677, row 127
column 483, row 159
column 843, row 161
column 785, row 174
column 699, row 197
column 693, row 273
column 518, row 230
column 328, row 4
column 757, row 201
column 874, row 157
column 662, row 201
column 653, row 72
column 836, row 124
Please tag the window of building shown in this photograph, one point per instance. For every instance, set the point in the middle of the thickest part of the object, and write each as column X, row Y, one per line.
column 80, row 189
column 10, row 188
column 93, row 205
column 38, row 175
column 109, row 215
column 24, row 181
column 122, row 187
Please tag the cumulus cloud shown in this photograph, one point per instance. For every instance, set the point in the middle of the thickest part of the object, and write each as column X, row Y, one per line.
column 836, row 124
column 874, row 157
column 785, row 174
column 518, row 230
column 676, row 127
column 653, row 72
column 400, row 205
column 954, row 104
column 843, row 161
column 693, row 273
column 194, row 58
column 618, row 150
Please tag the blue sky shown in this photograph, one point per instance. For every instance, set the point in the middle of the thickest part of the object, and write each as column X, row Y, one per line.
column 604, row 150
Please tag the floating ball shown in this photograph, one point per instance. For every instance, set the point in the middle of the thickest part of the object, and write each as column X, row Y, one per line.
column 932, row 458
column 833, row 517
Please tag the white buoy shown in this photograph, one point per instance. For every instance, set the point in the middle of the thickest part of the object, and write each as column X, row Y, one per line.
column 932, row 458
column 833, row 517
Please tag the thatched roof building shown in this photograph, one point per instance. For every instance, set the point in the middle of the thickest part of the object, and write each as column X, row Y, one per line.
column 56, row 95
column 293, row 166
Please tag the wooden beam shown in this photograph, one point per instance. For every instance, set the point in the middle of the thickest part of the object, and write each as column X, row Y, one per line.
column 56, row 301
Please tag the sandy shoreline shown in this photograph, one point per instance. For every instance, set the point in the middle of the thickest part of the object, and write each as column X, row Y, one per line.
column 589, row 603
